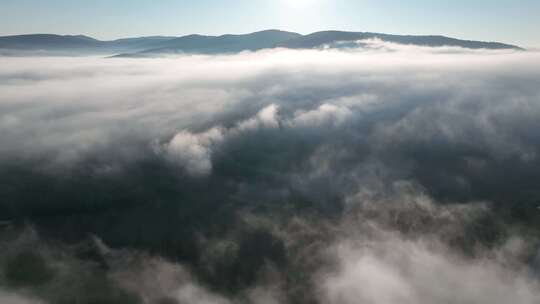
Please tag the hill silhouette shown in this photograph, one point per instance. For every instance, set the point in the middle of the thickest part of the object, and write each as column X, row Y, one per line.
column 224, row 44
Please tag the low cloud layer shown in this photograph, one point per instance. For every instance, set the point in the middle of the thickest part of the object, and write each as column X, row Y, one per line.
column 397, row 271
column 386, row 174
column 407, row 248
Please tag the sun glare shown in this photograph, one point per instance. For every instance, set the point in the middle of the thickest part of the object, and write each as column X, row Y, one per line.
column 299, row 3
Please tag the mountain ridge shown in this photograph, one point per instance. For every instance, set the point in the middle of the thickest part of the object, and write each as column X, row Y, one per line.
column 324, row 37
column 221, row 44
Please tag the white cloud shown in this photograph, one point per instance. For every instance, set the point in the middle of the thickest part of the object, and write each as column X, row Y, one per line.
column 325, row 114
column 194, row 151
column 395, row 270
column 266, row 118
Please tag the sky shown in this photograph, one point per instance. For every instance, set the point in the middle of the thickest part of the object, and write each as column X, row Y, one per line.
column 510, row 21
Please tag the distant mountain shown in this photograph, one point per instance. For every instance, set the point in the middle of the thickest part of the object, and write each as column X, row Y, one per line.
column 199, row 44
column 47, row 42
column 141, row 43
column 67, row 44
column 334, row 38
column 221, row 44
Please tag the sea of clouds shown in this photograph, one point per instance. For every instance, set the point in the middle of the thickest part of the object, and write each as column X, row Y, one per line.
column 384, row 174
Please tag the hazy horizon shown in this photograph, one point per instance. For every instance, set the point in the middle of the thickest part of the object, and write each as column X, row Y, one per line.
column 249, row 32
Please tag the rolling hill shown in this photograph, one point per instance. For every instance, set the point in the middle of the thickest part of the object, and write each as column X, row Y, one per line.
column 225, row 44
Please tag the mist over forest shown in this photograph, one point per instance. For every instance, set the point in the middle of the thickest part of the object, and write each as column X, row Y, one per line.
column 379, row 174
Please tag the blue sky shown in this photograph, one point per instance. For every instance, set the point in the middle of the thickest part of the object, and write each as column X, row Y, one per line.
column 512, row 21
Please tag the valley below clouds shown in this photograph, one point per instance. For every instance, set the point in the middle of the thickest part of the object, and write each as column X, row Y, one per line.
column 382, row 174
